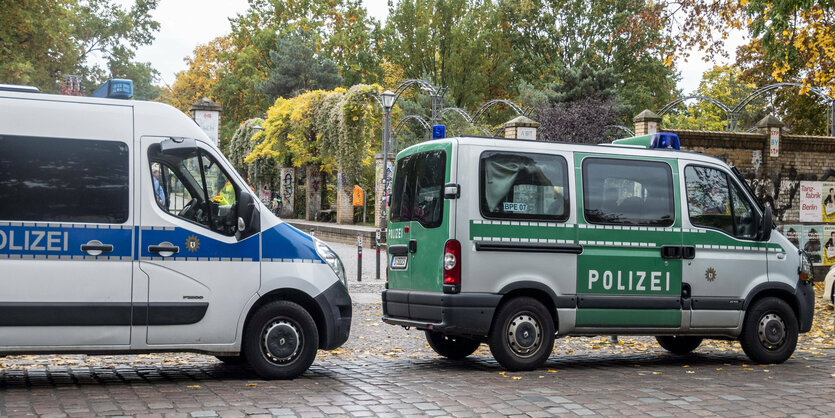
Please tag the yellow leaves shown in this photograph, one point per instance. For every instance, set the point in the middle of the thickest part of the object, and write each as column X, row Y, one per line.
column 193, row 386
column 251, row 384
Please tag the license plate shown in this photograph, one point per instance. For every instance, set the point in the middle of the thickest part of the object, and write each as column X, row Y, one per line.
column 399, row 261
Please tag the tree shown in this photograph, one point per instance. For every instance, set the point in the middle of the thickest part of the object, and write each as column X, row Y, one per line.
column 582, row 121
column 42, row 41
column 201, row 76
column 297, row 67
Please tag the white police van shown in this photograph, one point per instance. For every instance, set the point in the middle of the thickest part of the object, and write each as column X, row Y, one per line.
column 511, row 243
column 123, row 229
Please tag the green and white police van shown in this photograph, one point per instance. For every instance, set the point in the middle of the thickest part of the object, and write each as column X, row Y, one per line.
column 123, row 229
column 513, row 243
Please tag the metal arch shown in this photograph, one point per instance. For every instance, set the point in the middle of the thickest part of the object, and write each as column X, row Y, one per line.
column 621, row 128
column 521, row 111
column 830, row 113
column 423, row 121
column 669, row 106
column 459, row 111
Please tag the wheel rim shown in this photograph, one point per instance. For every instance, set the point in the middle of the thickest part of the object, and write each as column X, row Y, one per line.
column 524, row 334
column 281, row 341
column 771, row 331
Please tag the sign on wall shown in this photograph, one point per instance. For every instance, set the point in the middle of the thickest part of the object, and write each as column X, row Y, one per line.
column 208, row 120
column 774, row 143
column 818, row 241
column 817, row 201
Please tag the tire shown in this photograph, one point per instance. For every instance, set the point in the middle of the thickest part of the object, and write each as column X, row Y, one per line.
column 452, row 347
column 280, row 340
column 769, row 333
column 522, row 334
column 679, row 344
column 232, row 360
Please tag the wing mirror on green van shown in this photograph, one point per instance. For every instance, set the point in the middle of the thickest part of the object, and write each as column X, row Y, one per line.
column 766, row 225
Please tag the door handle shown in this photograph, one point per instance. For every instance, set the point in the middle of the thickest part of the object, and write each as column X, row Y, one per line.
column 95, row 247
column 671, row 251
column 688, row 252
column 165, row 247
column 412, row 246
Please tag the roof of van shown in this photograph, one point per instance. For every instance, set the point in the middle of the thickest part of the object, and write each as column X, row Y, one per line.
column 533, row 146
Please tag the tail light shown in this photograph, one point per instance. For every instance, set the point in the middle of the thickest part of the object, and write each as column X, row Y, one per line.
column 452, row 266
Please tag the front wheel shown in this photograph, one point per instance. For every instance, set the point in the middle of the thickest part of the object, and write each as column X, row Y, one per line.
column 522, row 334
column 280, row 340
column 451, row 347
column 679, row 344
column 769, row 333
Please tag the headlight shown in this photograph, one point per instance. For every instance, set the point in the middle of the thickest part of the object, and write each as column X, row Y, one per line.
column 332, row 259
column 805, row 269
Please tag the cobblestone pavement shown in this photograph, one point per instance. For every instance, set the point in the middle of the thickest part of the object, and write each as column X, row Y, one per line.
column 385, row 370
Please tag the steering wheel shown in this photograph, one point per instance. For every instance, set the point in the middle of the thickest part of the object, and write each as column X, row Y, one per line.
column 187, row 208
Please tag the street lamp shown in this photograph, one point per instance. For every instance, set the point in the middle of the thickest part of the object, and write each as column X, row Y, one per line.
column 386, row 99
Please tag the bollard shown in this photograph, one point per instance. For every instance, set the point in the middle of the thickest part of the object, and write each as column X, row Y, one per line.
column 377, row 245
column 359, row 256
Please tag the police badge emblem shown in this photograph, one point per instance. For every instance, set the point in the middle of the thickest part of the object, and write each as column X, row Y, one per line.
column 192, row 244
column 710, row 274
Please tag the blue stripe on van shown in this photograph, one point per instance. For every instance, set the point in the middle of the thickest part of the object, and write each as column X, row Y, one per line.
column 51, row 241
column 195, row 246
column 288, row 243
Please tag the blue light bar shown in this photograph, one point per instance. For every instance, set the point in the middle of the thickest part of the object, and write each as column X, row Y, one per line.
column 664, row 140
column 115, row 89
column 438, row 131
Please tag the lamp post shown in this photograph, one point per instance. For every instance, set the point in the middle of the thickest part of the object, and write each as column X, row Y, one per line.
column 386, row 100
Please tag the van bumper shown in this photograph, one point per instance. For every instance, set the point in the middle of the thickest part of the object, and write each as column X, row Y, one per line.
column 806, row 304
column 455, row 314
column 335, row 305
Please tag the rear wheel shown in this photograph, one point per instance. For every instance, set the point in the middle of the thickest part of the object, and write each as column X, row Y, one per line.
column 769, row 334
column 280, row 340
column 679, row 344
column 450, row 346
column 522, row 334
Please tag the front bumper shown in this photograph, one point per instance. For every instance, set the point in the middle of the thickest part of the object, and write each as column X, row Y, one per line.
column 806, row 304
column 335, row 305
column 469, row 314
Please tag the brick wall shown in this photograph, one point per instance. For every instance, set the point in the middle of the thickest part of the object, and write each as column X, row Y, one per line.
column 775, row 180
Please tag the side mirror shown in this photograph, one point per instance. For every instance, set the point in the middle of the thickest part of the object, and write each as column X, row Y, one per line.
column 766, row 225
column 176, row 146
column 249, row 218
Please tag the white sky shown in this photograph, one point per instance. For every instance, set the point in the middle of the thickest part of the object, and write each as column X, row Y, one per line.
column 186, row 23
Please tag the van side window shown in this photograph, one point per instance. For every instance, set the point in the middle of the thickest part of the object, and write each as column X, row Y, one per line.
column 712, row 203
column 628, row 192
column 191, row 185
column 523, row 186
column 418, row 189
column 64, row 180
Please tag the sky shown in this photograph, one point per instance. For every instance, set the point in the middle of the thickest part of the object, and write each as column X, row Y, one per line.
column 186, row 23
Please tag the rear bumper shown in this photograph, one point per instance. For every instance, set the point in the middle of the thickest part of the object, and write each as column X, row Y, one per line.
column 335, row 304
column 454, row 314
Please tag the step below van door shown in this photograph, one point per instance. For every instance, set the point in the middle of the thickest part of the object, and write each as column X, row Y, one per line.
column 199, row 272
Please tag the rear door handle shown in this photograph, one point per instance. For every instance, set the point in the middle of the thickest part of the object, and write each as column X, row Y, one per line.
column 671, row 251
column 412, row 246
column 95, row 247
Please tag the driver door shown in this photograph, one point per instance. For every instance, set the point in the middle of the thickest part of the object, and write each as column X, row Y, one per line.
column 199, row 270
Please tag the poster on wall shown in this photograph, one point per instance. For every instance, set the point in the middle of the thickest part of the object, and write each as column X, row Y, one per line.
column 828, row 256
column 817, row 201
column 793, row 233
column 811, row 242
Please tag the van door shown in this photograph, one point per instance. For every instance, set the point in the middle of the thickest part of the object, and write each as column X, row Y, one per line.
column 66, row 228
column 723, row 260
column 419, row 219
column 200, row 271
column 629, row 274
